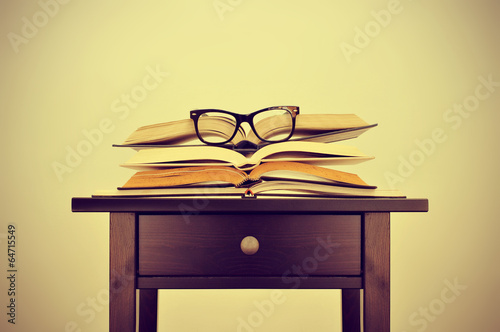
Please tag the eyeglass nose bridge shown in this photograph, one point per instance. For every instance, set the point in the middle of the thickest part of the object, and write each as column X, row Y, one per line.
column 244, row 118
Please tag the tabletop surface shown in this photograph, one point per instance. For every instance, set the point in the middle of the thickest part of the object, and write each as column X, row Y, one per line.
column 200, row 205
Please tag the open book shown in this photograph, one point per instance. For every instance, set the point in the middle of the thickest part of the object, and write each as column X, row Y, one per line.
column 223, row 175
column 282, row 179
column 307, row 152
column 310, row 127
column 264, row 188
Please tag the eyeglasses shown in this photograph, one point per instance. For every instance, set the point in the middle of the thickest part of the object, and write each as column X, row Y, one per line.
column 272, row 124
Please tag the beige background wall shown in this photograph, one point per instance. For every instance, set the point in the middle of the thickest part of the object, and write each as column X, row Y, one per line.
column 420, row 69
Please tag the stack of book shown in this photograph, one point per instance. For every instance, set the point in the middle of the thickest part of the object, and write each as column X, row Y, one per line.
column 171, row 161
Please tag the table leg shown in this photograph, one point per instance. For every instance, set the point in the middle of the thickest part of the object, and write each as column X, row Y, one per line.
column 122, row 268
column 376, row 301
column 351, row 315
column 148, row 310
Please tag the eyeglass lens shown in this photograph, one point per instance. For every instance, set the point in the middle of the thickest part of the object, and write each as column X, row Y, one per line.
column 216, row 127
column 272, row 125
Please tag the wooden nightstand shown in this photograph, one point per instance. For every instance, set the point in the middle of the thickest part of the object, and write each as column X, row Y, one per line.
column 215, row 243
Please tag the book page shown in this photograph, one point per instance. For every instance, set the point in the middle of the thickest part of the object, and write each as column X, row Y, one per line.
column 189, row 153
column 305, row 172
column 300, row 147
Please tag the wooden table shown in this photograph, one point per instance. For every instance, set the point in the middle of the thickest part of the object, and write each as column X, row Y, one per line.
column 249, row 243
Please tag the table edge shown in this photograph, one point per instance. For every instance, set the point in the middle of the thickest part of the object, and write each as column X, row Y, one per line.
column 259, row 205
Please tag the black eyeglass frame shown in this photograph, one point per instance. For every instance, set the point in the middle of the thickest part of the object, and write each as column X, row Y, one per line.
column 248, row 118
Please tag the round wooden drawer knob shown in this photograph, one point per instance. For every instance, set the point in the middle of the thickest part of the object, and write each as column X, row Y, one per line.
column 249, row 245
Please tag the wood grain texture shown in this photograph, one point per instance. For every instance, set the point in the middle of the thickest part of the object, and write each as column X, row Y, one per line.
column 351, row 313
column 239, row 205
column 377, row 294
column 148, row 310
column 289, row 245
column 122, row 267
column 245, row 283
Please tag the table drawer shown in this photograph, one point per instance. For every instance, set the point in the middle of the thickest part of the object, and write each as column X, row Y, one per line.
column 279, row 245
